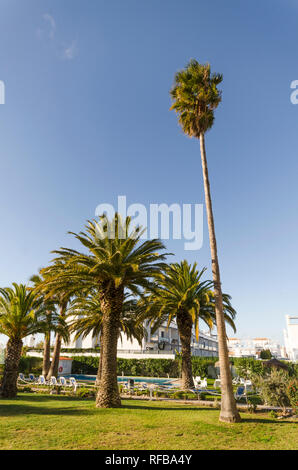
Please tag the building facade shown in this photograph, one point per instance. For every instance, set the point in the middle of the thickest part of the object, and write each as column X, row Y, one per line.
column 291, row 337
column 252, row 347
column 164, row 341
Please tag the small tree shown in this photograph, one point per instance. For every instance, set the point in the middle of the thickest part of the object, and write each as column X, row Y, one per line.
column 292, row 391
column 265, row 354
column 273, row 388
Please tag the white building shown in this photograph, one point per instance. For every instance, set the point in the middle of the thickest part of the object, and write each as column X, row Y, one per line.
column 291, row 337
column 165, row 341
column 252, row 347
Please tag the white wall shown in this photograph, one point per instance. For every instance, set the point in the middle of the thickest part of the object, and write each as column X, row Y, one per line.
column 291, row 337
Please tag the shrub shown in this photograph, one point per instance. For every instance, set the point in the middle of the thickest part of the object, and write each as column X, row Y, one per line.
column 25, row 389
column 292, row 392
column 200, row 365
column 252, row 404
column 247, row 367
column 84, row 392
column 202, row 396
column 30, row 365
column 273, row 388
column 273, row 414
column 265, row 354
column 179, row 394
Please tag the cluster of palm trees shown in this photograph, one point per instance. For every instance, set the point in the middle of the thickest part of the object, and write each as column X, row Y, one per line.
column 116, row 285
column 119, row 281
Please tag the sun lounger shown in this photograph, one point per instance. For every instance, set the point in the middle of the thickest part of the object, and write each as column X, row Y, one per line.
column 41, row 380
column 203, row 383
column 240, row 393
column 53, row 381
column 217, row 383
column 22, row 379
column 74, row 383
column 63, row 382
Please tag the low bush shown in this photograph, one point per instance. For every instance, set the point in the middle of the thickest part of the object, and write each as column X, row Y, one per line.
column 292, row 392
column 30, row 365
column 202, row 396
column 84, row 392
column 273, row 388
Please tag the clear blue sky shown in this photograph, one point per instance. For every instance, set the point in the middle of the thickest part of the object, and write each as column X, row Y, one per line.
column 87, row 118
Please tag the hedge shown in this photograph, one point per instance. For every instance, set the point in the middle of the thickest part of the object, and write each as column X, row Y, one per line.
column 143, row 367
column 30, row 364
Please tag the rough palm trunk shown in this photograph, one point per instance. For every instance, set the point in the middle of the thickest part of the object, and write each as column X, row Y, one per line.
column 229, row 412
column 53, row 370
column 111, row 304
column 98, row 376
column 46, row 355
column 184, row 324
column 11, row 368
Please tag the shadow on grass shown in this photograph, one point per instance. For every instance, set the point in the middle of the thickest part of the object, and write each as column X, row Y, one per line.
column 20, row 410
column 41, row 398
column 166, row 408
column 265, row 421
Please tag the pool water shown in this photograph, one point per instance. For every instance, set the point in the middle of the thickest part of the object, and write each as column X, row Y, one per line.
column 149, row 380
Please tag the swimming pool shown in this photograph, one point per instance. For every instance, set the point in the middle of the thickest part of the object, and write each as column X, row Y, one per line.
column 149, row 380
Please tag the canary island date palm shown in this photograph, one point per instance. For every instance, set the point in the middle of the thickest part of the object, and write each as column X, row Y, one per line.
column 182, row 296
column 19, row 312
column 86, row 317
column 195, row 97
column 60, row 301
column 49, row 322
column 116, row 262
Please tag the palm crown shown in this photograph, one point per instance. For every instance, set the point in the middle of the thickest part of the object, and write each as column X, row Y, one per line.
column 87, row 318
column 115, row 259
column 180, row 290
column 195, row 96
column 19, row 312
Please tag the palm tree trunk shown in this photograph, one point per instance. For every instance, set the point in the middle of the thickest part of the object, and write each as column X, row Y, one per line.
column 46, row 355
column 111, row 305
column 53, row 370
column 11, row 368
column 184, row 324
column 229, row 412
column 98, row 376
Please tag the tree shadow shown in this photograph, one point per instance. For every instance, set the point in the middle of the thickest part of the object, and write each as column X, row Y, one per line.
column 14, row 410
column 170, row 408
column 266, row 421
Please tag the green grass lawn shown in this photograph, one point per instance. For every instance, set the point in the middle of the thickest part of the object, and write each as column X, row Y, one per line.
column 55, row 422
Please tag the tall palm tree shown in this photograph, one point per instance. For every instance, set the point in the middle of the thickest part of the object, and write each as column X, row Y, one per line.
column 61, row 301
column 50, row 322
column 19, row 311
column 181, row 295
column 87, row 318
column 195, row 96
column 116, row 263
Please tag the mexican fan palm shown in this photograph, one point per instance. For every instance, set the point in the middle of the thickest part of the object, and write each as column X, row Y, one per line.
column 86, row 318
column 195, row 96
column 181, row 295
column 19, row 311
column 116, row 262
